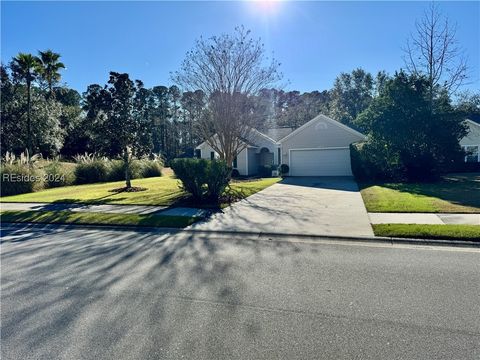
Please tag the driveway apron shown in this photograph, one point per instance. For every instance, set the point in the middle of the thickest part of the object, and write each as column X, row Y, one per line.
column 298, row 205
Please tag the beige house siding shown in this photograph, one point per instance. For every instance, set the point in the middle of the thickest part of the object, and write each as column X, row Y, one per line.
column 252, row 161
column 318, row 134
column 473, row 136
column 242, row 162
column 206, row 149
column 471, row 142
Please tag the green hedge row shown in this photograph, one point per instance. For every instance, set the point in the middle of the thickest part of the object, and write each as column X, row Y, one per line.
column 19, row 177
column 102, row 170
column 371, row 161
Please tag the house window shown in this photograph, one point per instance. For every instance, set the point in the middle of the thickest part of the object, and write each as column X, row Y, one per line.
column 212, row 155
column 235, row 162
column 198, row 153
column 279, row 156
column 472, row 153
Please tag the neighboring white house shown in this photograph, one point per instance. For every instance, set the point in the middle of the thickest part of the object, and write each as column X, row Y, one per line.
column 471, row 142
column 321, row 147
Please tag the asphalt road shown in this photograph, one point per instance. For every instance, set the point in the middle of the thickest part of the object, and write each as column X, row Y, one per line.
column 105, row 294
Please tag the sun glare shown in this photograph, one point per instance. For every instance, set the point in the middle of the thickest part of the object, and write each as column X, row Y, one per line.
column 264, row 7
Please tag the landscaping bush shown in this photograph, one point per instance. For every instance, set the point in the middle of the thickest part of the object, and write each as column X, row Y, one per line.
column 117, row 170
column 235, row 173
column 17, row 178
column 283, row 169
column 59, row 173
column 151, row 167
column 265, row 171
column 371, row 162
column 204, row 179
column 90, row 169
column 216, row 179
column 20, row 175
column 192, row 173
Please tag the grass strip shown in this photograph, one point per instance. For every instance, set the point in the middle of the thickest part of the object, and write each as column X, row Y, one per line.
column 163, row 191
column 84, row 218
column 421, row 231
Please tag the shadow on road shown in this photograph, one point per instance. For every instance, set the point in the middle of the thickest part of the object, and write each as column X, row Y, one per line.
column 75, row 282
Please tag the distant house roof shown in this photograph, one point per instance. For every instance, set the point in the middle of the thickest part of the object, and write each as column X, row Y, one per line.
column 278, row 133
column 475, row 118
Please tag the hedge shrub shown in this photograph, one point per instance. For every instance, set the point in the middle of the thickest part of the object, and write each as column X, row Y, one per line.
column 117, row 170
column 217, row 177
column 97, row 170
column 203, row 179
column 235, row 173
column 59, row 173
column 20, row 178
column 265, row 171
column 54, row 173
column 372, row 162
column 192, row 173
column 151, row 167
column 283, row 169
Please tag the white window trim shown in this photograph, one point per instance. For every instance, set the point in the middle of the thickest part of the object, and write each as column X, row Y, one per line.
column 464, row 147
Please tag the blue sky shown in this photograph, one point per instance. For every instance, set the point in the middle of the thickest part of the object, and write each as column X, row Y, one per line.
column 314, row 41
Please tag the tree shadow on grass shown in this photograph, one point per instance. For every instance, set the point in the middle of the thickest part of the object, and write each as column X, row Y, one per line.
column 461, row 190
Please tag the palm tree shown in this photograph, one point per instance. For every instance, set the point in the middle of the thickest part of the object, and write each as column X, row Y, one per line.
column 25, row 69
column 49, row 68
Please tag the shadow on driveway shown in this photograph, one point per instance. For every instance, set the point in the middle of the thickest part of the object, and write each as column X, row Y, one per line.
column 304, row 205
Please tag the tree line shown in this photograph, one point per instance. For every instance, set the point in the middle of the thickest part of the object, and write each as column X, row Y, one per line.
column 41, row 115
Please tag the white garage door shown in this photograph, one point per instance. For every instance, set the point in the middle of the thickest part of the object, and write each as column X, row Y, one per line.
column 320, row 162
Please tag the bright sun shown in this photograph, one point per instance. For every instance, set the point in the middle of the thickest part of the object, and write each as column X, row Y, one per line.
column 264, row 7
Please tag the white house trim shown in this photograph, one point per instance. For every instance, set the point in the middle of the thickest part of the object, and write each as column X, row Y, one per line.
column 342, row 136
column 464, row 147
column 472, row 122
column 264, row 136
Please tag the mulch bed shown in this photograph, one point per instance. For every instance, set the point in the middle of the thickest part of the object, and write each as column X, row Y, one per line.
column 125, row 189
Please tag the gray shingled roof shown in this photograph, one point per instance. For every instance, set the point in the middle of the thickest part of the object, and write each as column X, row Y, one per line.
column 278, row 133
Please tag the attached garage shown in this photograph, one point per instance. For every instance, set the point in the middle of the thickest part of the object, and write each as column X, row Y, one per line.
column 321, row 147
column 320, row 162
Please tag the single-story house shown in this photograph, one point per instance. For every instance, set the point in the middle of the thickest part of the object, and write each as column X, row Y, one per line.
column 471, row 142
column 321, row 147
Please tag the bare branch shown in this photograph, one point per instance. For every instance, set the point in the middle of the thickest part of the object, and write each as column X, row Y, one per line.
column 230, row 70
column 433, row 51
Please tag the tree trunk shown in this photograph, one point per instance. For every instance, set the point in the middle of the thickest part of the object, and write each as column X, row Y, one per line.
column 50, row 91
column 126, row 159
column 29, row 127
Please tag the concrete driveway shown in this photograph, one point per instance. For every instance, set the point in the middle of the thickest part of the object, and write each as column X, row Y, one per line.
column 300, row 205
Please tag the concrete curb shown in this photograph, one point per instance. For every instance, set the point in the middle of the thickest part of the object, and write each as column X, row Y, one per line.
column 275, row 236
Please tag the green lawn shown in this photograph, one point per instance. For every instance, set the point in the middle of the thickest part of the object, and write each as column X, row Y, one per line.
column 161, row 191
column 84, row 218
column 454, row 194
column 458, row 232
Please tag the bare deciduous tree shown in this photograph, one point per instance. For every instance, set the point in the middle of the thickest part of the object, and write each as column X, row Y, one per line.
column 433, row 51
column 229, row 69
